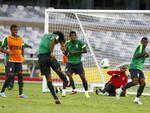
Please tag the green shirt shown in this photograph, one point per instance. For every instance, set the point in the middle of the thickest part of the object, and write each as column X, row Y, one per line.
column 78, row 46
column 138, row 63
column 45, row 43
column 4, row 46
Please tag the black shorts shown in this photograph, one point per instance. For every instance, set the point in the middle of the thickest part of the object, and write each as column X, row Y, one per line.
column 136, row 73
column 45, row 63
column 13, row 67
column 74, row 68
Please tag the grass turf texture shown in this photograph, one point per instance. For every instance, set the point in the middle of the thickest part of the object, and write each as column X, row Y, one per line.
column 39, row 102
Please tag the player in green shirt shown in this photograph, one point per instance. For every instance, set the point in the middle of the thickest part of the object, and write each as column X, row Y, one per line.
column 47, row 59
column 136, row 72
column 74, row 50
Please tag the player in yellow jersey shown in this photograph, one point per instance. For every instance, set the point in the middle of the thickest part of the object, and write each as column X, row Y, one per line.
column 12, row 46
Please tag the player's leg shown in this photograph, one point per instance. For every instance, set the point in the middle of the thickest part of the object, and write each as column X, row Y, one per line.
column 56, row 67
column 10, row 86
column 10, row 71
column 135, row 80
column 74, row 91
column 18, row 71
column 69, row 72
column 108, row 89
column 44, row 64
column 80, row 70
column 141, row 87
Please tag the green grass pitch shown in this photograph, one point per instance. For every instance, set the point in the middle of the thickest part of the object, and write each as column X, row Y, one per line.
column 39, row 102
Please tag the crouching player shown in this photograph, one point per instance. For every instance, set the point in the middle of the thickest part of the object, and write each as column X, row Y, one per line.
column 47, row 60
column 117, row 80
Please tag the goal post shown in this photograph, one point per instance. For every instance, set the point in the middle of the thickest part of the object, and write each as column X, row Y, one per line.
column 111, row 34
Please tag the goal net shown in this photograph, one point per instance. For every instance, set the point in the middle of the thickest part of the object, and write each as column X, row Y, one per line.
column 111, row 35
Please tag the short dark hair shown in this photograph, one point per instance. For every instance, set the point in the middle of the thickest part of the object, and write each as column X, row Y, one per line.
column 13, row 26
column 61, row 36
column 72, row 32
column 144, row 38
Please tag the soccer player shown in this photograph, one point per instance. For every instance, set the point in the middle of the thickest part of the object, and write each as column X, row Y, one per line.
column 14, row 51
column 47, row 59
column 118, row 79
column 74, row 50
column 10, row 85
column 136, row 72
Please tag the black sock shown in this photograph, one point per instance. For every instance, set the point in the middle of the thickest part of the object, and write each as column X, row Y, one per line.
column 51, row 88
column 72, row 83
column 64, row 85
column 7, row 81
column 85, row 85
column 128, row 85
column 20, row 84
column 107, row 87
column 140, row 91
column 63, row 77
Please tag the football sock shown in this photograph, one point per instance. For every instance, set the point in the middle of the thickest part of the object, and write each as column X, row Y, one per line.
column 7, row 81
column 85, row 85
column 140, row 91
column 51, row 88
column 72, row 83
column 64, row 85
column 62, row 76
column 128, row 85
column 20, row 83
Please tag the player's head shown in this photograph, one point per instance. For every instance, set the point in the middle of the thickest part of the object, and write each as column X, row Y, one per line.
column 144, row 41
column 123, row 68
column 60, row 38
column 14, row 30
column 73, row 35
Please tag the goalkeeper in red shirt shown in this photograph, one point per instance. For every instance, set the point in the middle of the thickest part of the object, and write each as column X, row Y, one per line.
column 118, row 79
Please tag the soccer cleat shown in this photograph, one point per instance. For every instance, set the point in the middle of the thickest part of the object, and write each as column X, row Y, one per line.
column 118, row 93
column 2, row 94
column 9, row 88
column 137, row 101
column 87, row 95
column 97, row 91
column 105, row 94
column 63, row 93
column 74, row 91
column 23, row 96
column 57, row 101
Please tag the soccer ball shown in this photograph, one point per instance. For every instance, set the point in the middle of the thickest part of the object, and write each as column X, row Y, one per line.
column 104, row 63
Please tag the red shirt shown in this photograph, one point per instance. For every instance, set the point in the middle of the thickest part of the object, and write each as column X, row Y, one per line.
column 119, row 81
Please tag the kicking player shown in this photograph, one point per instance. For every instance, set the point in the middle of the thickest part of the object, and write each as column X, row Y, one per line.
column 74, row 50
column 136, row 72
column 14, row 54
column 47, row 59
